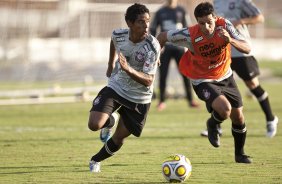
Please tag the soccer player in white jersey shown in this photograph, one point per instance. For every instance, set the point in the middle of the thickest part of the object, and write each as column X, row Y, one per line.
column 243, row 13
column 130, row 84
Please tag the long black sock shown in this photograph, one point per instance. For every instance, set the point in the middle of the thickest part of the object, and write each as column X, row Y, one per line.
column 110, row 122
column 107, row 151
column 239, row 133
column 263, row 100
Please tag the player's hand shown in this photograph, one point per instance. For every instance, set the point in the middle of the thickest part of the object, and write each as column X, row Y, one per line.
column 159, row 62
column 224, row 35
column 123, row 63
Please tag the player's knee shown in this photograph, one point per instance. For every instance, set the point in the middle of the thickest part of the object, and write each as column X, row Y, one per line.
column 93, row 126
column 237, row 117
column 252, row 84
column 238, row 120
column 225, row 112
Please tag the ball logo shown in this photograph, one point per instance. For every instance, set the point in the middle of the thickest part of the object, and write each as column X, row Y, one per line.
column 176, row 168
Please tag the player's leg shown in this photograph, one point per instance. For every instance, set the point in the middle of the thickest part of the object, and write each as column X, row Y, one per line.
column 97, row 120
column 101, row 114
column 247, row 68
column 262, row 97
column 163, row 72
column 221, row 111
column 110, row 147
column 217, row 105
column 131, row 121
column 102, row 107
column 239, row 132
column 106, row 130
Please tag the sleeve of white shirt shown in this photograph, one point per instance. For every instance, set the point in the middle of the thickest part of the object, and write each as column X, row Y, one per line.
column 233, row 31
column 151, row 63
column 180, row 37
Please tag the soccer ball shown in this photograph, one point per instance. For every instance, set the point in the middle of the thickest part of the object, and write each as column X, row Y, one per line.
column 176, row 168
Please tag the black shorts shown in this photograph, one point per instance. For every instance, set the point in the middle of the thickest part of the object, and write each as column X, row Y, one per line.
column 246, row 67
column 133, row 115
column 209, row 91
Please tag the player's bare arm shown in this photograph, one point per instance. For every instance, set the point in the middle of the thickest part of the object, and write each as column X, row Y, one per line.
column 249, row 20
column 111, row 63
column 162, row 38
column 241, row 45
column 140, row 77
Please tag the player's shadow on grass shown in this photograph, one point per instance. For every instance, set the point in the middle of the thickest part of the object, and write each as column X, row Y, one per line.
column 27, row 168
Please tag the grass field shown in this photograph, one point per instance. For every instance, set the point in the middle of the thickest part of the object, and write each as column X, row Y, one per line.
column 51, row 144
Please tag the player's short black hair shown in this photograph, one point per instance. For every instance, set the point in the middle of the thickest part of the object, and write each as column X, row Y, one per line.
column 134, row 10
column 203, row 9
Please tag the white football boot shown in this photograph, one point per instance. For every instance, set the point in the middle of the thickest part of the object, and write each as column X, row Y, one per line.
column 94, row 166
column 271, row 127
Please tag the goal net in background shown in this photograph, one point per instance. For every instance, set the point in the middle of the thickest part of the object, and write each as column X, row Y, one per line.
column 51, row 47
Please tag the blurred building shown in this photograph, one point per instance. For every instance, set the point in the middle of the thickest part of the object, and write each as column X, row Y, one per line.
column 38, row 37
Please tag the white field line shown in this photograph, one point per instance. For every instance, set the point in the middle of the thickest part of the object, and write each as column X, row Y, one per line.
column 38, row 96
column 49, row 91
column 44, row 100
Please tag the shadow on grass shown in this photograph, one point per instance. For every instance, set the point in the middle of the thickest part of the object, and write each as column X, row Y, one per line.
column 25, row 167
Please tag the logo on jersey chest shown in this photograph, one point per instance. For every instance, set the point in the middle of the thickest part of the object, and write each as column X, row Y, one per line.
column 211, row 49
column 139, row 56
column 232, row 6
column 199, row 39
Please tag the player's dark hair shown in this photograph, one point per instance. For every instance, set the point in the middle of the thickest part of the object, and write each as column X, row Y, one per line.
column 203, row 9
column 133, row 11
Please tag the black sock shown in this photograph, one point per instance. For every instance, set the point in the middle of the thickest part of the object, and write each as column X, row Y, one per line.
column 110, row 122
column 107, row 151
column 263, row 100
column 239, row 133
column 215, row 119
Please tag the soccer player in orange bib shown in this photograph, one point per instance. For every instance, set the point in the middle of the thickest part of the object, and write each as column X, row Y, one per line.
column 207, row 64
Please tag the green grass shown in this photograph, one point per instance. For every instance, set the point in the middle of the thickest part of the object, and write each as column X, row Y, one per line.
column 51, row 144
column 274, row 66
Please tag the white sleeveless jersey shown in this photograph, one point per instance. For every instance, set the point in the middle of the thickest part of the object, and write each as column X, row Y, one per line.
column 235, row 10
column 142, row 56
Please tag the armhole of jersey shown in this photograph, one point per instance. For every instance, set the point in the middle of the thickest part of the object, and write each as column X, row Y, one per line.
column 149, row 42
column 192, row 34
